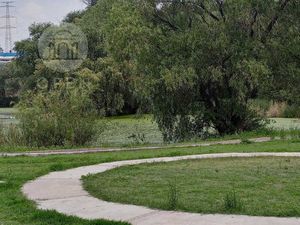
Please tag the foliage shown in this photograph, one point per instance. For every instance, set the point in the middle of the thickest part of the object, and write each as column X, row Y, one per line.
column 197, row 65
column 204, row 68
column 116, row 93
column 276, row 109
column 292, row 111
column 90, row 2
column 62, row 116
column 283, row 56
column 19, row 74
column 11, row 135
column 111, row 85
column 73, row 17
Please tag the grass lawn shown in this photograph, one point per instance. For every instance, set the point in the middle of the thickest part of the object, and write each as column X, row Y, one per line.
column 16, row 210
column 262, row 186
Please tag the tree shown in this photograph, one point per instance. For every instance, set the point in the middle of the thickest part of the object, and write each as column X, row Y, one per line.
column 283, row 58
column 115, row 94
column 23, row 68
column 73, row 16
column 90, row 2
column 205, row 59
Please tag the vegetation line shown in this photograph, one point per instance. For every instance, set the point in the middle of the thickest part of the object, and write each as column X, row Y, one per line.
column 96, row 150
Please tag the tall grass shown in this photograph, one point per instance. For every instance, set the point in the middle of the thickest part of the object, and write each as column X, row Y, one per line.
column 272, row 109
column 59, row 117
column 11, row 135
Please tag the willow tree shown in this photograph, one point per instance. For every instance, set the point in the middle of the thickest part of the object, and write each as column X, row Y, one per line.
column 202, row 60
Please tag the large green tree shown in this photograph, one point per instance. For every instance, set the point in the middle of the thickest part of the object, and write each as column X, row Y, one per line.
column 205, row 59
column 115, row 94
column 283, row 57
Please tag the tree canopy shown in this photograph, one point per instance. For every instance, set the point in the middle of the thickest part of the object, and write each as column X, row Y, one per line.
column 195, row 64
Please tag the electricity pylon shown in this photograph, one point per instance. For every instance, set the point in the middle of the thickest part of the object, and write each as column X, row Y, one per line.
column 8, row 27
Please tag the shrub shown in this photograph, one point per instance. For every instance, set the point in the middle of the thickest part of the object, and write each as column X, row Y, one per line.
column 14, row 136
column 260, row 106
column 292, row 111
column 63, row 116
column 11, row 136
column 276, row 109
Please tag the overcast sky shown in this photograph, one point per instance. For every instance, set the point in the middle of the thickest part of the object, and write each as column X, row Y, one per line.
column 30, row 11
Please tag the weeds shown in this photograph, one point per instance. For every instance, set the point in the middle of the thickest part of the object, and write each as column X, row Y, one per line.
column 60, row 117
column 139, row 138
column 232, row 202
column 246, row 141
column 11, row 136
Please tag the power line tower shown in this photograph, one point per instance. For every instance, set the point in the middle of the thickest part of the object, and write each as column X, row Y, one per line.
column 8, row 27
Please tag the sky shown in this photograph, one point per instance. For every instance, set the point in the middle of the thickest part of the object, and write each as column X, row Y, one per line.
column 30, row 11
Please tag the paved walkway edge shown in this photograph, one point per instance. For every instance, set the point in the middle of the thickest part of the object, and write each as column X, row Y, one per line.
column 63, row 192
column 98, row 150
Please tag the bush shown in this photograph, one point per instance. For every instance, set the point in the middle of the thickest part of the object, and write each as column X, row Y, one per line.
column 292, row 111
column 261, row 106
column 277, row 109
column 11, row 136
column 62, row 116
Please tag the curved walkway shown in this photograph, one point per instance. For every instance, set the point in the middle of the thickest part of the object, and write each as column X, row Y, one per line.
column 63, row 192
column 98, row 150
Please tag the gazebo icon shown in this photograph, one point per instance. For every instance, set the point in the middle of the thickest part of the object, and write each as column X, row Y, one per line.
column 63, row 46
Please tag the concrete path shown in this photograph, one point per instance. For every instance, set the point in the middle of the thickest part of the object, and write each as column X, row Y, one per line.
column 63, row 192
column 97, row 150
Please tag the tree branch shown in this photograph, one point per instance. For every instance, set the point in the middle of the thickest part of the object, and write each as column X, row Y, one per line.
column 220, row 4
column 254, row 19
column 165, row 21
column 283, row 4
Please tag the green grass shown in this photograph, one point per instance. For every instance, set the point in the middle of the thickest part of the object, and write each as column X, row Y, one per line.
column 253, row 186
column 16, row 210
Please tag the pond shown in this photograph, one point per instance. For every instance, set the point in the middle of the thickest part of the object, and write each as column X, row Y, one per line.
column 7, row 116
